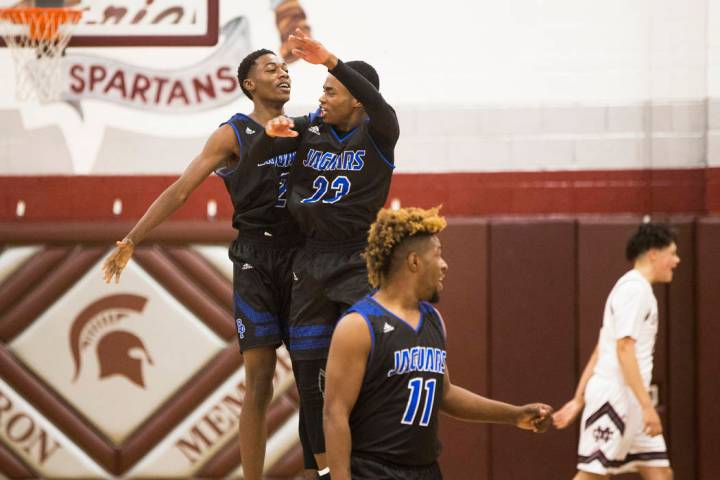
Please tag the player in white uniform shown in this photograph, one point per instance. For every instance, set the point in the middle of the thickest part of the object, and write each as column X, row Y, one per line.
column 620, row 430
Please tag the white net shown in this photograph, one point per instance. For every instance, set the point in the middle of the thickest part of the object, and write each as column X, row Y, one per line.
column 36, row 38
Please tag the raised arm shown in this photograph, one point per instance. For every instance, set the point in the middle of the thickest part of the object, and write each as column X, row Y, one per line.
column 344, row 375
column 570, row 411
column 220, row 148
column 384, row 126
column 465, row 405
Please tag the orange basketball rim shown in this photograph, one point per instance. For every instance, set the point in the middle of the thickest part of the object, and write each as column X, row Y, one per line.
column 43, row 23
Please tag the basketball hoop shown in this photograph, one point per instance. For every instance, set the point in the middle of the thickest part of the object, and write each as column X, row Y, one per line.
column 37, row 38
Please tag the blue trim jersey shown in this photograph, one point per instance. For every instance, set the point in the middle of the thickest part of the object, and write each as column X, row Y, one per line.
column 340, row 180
column 338, row 183
column 395, row 417
column 258, row 190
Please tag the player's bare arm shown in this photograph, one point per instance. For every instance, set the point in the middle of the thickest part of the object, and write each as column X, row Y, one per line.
column 570, row 411
column 631, row 372
column 465, row 405
column 344, row 375
column 220, row 149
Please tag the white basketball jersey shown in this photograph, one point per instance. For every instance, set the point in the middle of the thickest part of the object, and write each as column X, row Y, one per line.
column 630, row 311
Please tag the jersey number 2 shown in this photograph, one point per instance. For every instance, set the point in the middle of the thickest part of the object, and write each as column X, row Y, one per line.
column 341, row 187
column 281, row 201
column 415, row 386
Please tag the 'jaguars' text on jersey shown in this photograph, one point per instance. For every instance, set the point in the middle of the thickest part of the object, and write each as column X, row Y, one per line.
column 395, row 416
column 258, row 189
column 338, row 183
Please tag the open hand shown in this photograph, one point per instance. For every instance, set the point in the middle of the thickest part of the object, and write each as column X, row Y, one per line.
column 535, row 416
column 567, row 414
column 308, row 48
column 280, row 127
column 117, row 260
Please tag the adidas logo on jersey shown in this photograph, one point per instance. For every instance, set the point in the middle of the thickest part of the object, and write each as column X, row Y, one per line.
column 295, row 277
column 249, row 130
column 246, row 266
column 314, row 129
column 388, row 328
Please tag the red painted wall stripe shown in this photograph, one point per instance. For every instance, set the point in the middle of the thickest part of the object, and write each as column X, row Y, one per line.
column 90, row 198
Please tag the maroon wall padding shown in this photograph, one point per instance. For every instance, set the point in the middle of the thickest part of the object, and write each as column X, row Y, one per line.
column 708, row 353
column 523, row 303
column 532, row 339
column 464, row 308
column 679, row 395
column 601, row 262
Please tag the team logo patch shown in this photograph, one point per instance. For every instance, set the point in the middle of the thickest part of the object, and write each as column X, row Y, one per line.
column 240, row 327
column 601, row 434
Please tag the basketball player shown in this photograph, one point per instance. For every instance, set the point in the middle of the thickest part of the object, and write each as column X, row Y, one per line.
column 387, row 376
column 345, row 158
column 620, row 430
column 263, row 251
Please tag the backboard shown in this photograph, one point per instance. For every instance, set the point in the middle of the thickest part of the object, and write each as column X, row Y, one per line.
column 140, row 23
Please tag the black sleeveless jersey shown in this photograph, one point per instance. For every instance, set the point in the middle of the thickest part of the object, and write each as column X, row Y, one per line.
column 395, row 416
column 258, row 190
column 338, row 183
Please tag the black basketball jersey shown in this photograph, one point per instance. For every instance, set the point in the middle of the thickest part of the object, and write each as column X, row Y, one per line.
column 395, row 416
column 338, row 183
column 258, row 190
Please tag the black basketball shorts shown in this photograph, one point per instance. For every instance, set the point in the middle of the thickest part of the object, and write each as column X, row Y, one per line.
column 262, row 283
column 326, row 282
column 363, row 468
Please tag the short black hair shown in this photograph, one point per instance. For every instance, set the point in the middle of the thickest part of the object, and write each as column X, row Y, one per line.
column 648, row 236
column 366, row 70
column 247, row 63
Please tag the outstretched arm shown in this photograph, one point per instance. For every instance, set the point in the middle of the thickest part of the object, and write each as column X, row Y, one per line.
column 384, row 126
column 570, row 411
column 465, row 405
column 344, row 374
column 281, row 135
column 220, row 147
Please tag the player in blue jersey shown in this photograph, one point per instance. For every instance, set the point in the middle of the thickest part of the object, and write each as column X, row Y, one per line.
column 387, row 376
column 339, row 181
column 265, row 246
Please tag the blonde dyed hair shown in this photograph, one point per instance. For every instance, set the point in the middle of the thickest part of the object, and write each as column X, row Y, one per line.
column 390, row 229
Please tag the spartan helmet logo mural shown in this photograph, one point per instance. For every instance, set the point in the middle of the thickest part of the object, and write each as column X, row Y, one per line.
column 119, row 352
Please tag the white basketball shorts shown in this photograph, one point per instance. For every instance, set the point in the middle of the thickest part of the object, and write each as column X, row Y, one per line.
column 612, row 440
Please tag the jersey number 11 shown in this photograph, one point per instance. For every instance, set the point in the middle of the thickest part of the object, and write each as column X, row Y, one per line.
column 415, row 386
